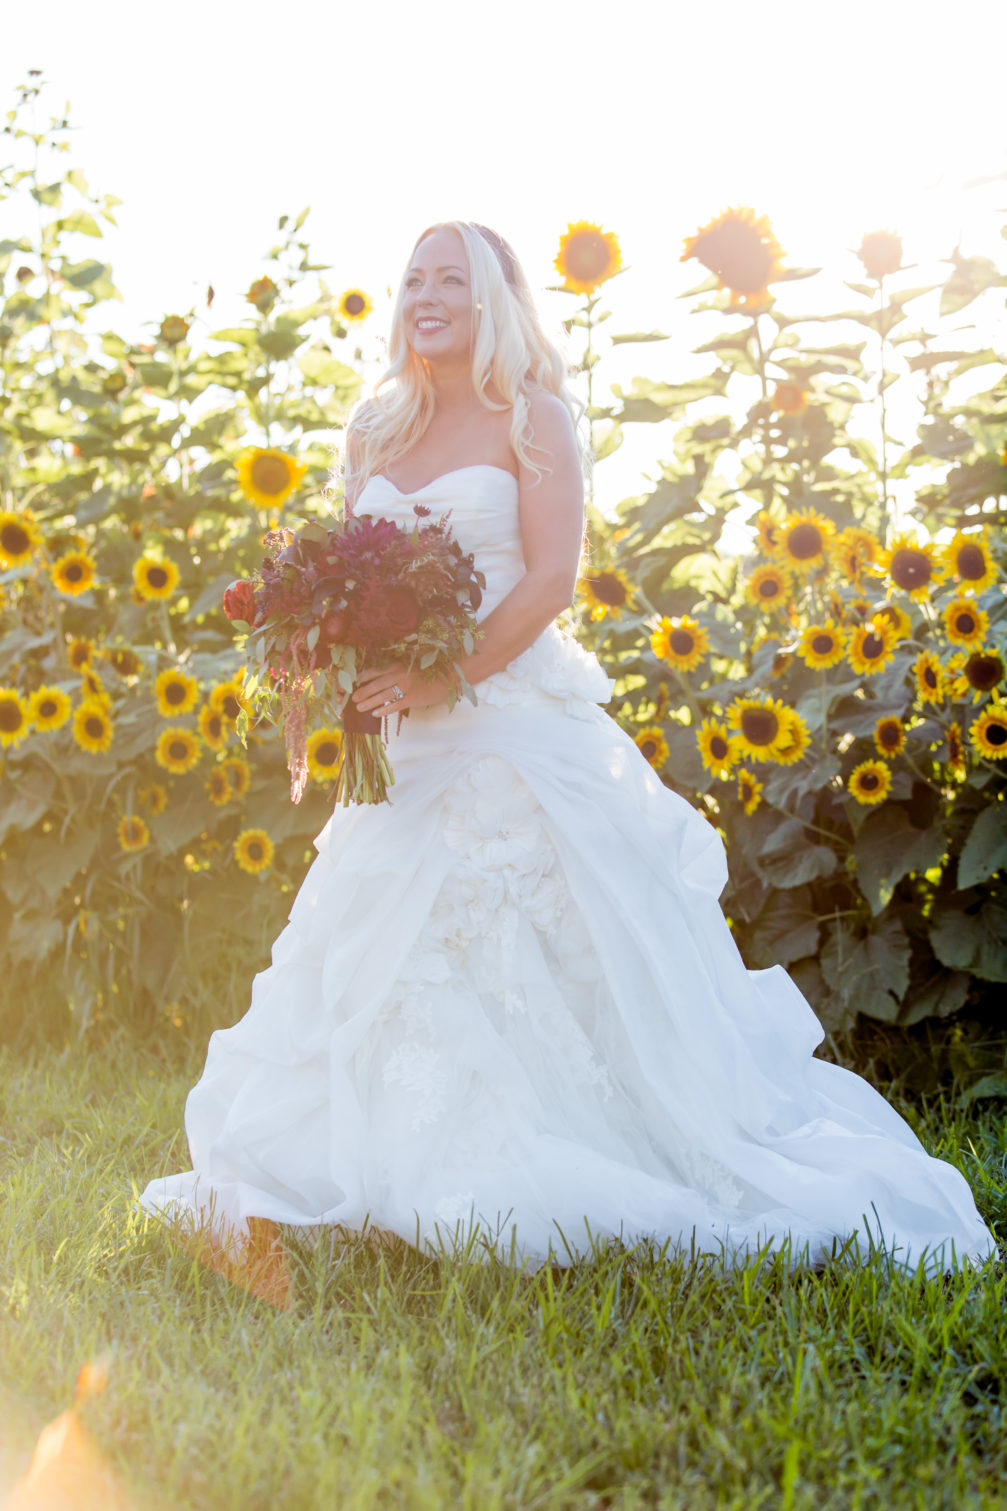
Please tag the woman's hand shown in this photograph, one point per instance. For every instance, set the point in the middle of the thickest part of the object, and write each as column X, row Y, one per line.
column 375, row 690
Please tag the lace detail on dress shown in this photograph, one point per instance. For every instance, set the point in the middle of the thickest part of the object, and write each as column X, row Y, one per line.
column 555, row 664
column 504, row 875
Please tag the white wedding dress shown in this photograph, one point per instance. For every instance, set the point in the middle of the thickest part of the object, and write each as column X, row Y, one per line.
column 507, row 1003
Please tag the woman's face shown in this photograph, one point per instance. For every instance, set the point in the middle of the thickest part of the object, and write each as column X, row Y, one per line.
column 437, row 308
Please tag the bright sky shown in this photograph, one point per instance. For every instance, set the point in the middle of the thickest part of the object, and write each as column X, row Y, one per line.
column 210, row 120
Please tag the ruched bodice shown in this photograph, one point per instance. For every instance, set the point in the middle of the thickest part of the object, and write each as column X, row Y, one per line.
column 483, row 504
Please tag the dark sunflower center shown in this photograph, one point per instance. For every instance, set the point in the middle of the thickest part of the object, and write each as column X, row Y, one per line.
column 869, row 781
column 769, row 587
column 270, row 474
column 965, row 622
column 822, row 644
column 73, row 571
column 48, row 708
column 608, row 589
column 94, row 727
column 587, row 255
column 760, row 726
column 175, row 692
column 327, row 753
column 719, row 747
column 15, row 539
column 353, row 304
column 681, row 642
column 232, row 707
column 11, row 717
column 649, row 749
column 157, row 577
column 255, row 851
column 804, row 541
column 971, row 563
column 910, row 569
column 872, row 647
column 79, row 657
column 930, row 677
column 213, row 726
column 890, row 735
column 996, row 734
column 178, row 750
column 984, row 672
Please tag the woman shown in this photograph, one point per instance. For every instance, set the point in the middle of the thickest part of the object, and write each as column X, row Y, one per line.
column 507, row 1003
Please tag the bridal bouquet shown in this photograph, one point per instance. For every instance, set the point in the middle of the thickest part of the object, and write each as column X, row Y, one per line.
column 327, row 602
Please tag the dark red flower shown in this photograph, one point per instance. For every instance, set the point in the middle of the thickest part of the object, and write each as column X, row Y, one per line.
column 239, row 600
column 384, row 614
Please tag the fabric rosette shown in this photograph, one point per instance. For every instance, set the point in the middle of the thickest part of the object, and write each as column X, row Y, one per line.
column 326, row 603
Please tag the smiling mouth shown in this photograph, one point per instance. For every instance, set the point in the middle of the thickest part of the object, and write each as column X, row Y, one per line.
column 438, row 325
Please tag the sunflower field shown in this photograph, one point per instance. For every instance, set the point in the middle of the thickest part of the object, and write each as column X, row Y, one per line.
column 833, row 702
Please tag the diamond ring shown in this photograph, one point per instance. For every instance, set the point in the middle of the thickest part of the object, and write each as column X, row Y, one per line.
column 396, row 689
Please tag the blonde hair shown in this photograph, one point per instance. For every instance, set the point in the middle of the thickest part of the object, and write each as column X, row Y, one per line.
column 509, row 348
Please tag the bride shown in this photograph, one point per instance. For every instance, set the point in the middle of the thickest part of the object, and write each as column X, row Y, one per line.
column 507, row 1009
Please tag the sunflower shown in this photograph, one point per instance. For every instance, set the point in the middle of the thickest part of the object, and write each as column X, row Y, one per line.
column 897, row 618
column 967, row 559
column 761, row 725
column 790, row 398
column 804, row 540
column 80, row 653
column 15, row 716
column 871, row 646
column 213, row 727
column 965, row 623
column 740, row 248
column 911, row 566
column 155, row 577
column 749, row 791
column 177, row 750
column 218, row 788
column 324, row 747
column 652, row 745
column 73, row 573
column 49, row 708
column 881, row 253
column 857, row 610
column 176, row 692
column 889, row 735
column 173, row 329
column 238, row 773
column 92, row 689
column 607, row 591
column 979, row 673
column 92, row 726
column 822, row 645
column 870, row 782
column 154, row 798
column 354, row 305
column 263, row 294
column 956, row 754
column 795, row 741
column 929, row 675
column 988, row 733
column 254, row 850
column 228, row 698
column 852, row 550
column 19, row 537
column 587, row 256
column 124, row 661
column 681, row 642
column 132, row 833
column 269, row 477
column 767, row 532
column 768, row 587
column 718, row 751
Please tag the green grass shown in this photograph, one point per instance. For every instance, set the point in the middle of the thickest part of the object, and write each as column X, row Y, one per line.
column 401, row 1381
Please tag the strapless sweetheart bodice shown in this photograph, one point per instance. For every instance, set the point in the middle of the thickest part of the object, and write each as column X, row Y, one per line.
column 482, row 500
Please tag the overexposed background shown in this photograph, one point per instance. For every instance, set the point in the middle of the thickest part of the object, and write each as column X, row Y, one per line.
column 210, row 120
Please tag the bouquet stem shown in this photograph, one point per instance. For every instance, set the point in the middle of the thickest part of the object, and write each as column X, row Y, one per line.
column 365, row 774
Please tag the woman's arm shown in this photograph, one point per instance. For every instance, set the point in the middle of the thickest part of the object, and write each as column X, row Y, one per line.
column 551, row 514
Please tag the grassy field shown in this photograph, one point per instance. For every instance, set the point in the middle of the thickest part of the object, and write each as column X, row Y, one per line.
column 395, row 1380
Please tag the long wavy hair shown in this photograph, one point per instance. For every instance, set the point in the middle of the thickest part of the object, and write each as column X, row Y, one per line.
column 509, row 349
